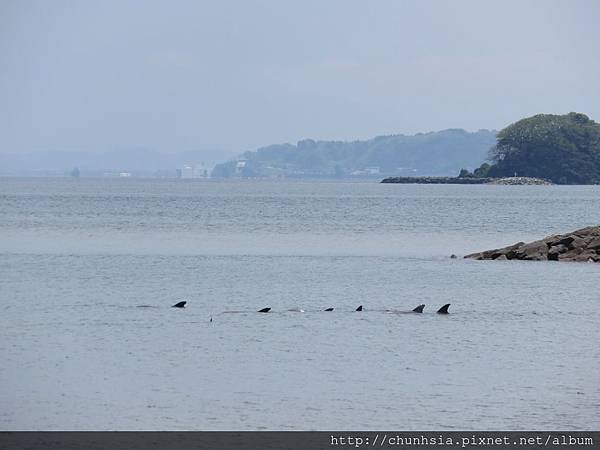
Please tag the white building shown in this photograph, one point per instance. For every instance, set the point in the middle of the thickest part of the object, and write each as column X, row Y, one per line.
column 196, row 171
column 240, row 165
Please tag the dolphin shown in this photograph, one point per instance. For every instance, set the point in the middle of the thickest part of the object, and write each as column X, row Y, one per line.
column 179, row 305
column 418, row 309
column 444, row 309
column 359, row 308
column 264, row 310
column 328, row 309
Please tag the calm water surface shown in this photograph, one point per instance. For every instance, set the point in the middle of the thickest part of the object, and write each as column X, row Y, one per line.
column 89, row 269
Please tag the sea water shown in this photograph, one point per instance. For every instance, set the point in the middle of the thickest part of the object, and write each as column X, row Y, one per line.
column 89, row 269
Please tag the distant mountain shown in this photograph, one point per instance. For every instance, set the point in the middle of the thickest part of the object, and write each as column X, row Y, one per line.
column 141, row 162
column 441, row 153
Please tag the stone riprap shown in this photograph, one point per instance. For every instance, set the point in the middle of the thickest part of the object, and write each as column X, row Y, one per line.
column 579, row 246
column 512, row 181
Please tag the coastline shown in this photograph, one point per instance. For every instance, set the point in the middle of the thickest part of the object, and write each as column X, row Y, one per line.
column 512, row 181
column 578, row 246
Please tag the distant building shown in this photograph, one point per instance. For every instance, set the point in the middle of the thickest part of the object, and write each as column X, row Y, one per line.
column 125, row 174
column 187, row 172
column 196, row 171
column 240, row 165
column 373, row 170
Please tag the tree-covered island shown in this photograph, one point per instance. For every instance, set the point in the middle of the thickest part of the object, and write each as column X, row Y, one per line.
column 564, row 149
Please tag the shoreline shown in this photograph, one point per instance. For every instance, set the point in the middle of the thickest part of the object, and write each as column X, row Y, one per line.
column 581, row 245
column 513, row 181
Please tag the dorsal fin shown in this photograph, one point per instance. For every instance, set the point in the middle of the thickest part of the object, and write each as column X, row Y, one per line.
column 264, row 310
column 359, row 308
column 444, row 309
column 419, row 309
column 328, row 309
column 179, row 305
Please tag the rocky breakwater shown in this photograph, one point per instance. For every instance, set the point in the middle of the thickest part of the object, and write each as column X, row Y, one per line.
column 581, row 246
column 512, row 181
column 521, row 181
column 436, row 180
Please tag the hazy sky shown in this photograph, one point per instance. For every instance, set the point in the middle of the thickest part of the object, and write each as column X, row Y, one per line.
column 185, row 75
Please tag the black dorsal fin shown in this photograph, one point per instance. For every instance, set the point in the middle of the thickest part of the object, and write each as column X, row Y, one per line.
column 359, row 308
column 444, row 309
column 264, row 310
column 328, row 309
column 419, row 309
column 179, row 305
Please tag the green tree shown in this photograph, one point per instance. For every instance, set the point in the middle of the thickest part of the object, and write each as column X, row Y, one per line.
column 483, row 171
column 562, row 148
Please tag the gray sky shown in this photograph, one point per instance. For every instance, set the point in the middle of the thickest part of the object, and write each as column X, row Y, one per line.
column 236, row 75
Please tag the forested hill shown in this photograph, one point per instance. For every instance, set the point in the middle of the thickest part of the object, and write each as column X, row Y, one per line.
column 441, row 153
column 564, row 149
